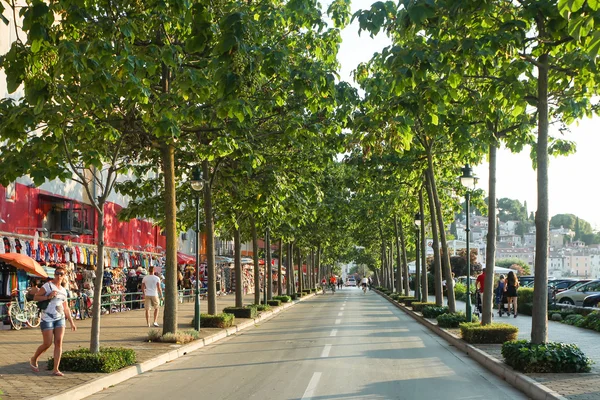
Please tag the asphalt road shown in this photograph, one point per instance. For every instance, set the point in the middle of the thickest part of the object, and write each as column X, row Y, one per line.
column 348, row 345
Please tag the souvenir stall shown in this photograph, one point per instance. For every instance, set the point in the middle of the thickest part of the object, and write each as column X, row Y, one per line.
column 247, row 278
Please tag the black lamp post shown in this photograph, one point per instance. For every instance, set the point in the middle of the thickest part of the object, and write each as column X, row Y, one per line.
column 197, row 184
column 418, row 219
column 468, row 181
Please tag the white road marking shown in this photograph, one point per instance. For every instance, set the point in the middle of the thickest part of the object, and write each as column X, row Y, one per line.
column 340, row 314
column 312, row 386
column 326, row 350
column 338, row 321
column 333, row 332
column 342, row 309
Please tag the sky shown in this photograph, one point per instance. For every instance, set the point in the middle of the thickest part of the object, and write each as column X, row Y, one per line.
column 571, row 182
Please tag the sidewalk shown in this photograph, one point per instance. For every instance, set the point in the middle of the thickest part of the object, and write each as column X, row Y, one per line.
column 126, row 329
column 571, row 386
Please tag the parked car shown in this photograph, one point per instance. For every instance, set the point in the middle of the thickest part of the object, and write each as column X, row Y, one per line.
column 560, row 285
column 351, row 281
column 525, row 280
column 592, row 301
column 577, row 295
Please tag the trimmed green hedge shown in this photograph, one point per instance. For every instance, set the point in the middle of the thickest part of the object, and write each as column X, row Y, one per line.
column 402, row 299
column 222, row 320
column 524, row 295
column 409, row 302
column 453, row 320
column 293, row 296
column 419, row 306
column 434, row 311
column 261, row 306
column 241, row 312
column 109, row 359
column 548, row 357
column 488, row 334
column 525, row 308
column 274, row 303
column 283, row 299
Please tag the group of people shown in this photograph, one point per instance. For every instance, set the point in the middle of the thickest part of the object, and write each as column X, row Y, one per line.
column 505, row 291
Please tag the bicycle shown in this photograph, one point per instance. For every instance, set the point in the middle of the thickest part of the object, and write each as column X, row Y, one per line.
column 29, row 314
column 364, row 288
column 332, row 287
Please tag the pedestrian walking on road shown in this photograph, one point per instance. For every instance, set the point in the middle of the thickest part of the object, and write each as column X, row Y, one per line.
column 512, row 284
column 152, row 294
column 53, row 319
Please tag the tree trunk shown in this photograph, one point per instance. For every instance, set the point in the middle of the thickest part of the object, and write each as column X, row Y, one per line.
column 442, row 232
column 268, row 267
column 255, row 258
column 280, row 270
column 539, row 323
column 417, row 283
column 399, row 277
column 98, row 281
column 404, row 260
column 392, row 272
column 319, row 264
column 490, row 256
column 290, row 269
column 300, row 273
column 239, row 287
column 437, row 263
column 171, row 295
column 210, row 242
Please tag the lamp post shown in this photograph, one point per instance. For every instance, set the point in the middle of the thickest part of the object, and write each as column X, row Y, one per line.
column 468, row 181
column 418, row 219
column 197, row 184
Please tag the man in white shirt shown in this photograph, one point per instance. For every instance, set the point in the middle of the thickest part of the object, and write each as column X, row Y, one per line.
column 152, row 291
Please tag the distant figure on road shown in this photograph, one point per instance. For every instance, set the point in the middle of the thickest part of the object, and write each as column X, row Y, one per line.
column 324, row 284
column 364, row 282
column 152, row 291
column 340, row 283
column 512, row 284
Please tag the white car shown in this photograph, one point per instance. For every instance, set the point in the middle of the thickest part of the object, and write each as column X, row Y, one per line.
column 577, row 295
column 351, row 282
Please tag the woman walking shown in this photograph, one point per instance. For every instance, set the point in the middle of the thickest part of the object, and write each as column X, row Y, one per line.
column 500, row 294
column 53, row 319
column 512, row 284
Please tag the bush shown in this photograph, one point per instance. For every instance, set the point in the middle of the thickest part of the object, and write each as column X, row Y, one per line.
column 241, row 312
column 453, row 320
column 402, row 299
column 525, row 308
column 260, row 307
column 274, row 303
column 408, row 302
column 460, row 291
column 222, row 320
column 434, row 312
column 293, row 296
column 574, row 319
column 556, row 317
column 419, row 306
column 525, row 295
column 548, row 357
column 592, row 321
column 109, row 359
column 181, row 337
column 488, row 334
column 283, row 299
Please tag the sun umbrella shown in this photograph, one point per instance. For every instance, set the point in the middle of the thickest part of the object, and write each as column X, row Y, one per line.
column 24, row 262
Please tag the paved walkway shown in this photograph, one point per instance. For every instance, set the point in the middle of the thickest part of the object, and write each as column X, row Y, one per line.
column 126, row 329
column 572, row 386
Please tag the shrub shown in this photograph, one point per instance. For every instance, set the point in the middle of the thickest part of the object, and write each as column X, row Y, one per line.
column 556, row 317
column 241, row 312
column 154, row 335
column 181, row 337
column 453, row 320
column 408, row 302
column 525, row 295
column 109, row 359
column 283, row 299
column 419, row 306
column 525, row 308
column 488, row 334
column 402, row 299
column 460, row 291
column 434, row 312
column 274, row 303
column 592, row 321
column 260, row 307
column 548, row 357
column 293, row 296
column 222, row 320
column 574, row 319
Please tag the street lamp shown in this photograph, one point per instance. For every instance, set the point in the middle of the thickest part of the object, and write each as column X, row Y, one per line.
column 418, row 220
column 468, row 181
column 197, row 184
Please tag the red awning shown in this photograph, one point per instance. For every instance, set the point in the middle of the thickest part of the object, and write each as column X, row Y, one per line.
column 185, row 259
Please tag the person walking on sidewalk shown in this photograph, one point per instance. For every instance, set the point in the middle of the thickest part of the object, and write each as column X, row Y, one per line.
column 152, row 294
column 53, row 319
column 512, row 284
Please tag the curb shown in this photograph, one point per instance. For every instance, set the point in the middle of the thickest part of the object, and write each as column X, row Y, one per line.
column 530, row 387
column 97, row 385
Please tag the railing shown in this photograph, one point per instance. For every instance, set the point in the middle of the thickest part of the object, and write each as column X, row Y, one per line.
column 112, row 302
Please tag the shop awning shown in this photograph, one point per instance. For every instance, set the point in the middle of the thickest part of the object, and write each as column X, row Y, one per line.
column 185, row 259
column 25, row 263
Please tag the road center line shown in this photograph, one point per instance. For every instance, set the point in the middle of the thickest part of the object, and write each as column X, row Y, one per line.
column 326, row 350
column 312, row 386
column 333, row 332
column 340, row 314
column 338, row 321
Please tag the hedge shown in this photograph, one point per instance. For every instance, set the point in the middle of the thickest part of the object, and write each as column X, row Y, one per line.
column 408, row 302
column 223, row 320
column 293, row 296
column 181, row 337
column 109, row 359
column 434, row 311
column 488, row 334
column 241, row 312
column 283, row 299
column 524, row 295
column 274, row 302
column 453, row 320
column 548, row 357
column 419, row 306
column 402, row 299
column 261, row 306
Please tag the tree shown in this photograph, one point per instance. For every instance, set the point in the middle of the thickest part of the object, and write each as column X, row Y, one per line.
column 524, row 268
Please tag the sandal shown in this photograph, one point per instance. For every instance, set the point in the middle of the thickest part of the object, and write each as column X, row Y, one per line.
column 34, row 368
column 57, row 373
